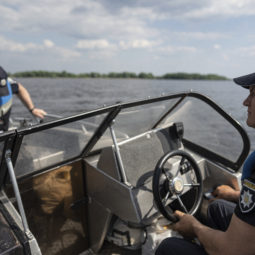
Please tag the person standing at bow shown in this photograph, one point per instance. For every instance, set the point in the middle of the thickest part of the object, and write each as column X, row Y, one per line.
column 8, row 87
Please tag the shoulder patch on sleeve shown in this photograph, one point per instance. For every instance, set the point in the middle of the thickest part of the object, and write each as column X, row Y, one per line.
column 247, row 196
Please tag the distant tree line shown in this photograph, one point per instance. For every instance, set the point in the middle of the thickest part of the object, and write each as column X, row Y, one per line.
column 142, row 75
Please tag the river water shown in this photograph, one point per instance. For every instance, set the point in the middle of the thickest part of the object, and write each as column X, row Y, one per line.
column 71, row 96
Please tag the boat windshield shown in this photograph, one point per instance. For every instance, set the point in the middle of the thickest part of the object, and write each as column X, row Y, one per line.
column 203, row 125
column 206, row 126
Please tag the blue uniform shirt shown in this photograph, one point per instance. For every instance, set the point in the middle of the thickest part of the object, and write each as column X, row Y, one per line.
column 249, row 166
column 245, row 209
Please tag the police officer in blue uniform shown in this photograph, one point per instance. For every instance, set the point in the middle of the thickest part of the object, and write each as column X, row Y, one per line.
column 231, row 217
column 8, row 87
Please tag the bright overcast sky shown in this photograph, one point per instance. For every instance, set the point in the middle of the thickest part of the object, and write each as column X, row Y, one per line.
column 158, row 36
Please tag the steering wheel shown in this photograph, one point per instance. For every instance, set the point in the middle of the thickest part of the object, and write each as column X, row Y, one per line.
column 170, row 185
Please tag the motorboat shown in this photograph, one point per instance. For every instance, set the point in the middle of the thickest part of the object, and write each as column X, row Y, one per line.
column 110, row 179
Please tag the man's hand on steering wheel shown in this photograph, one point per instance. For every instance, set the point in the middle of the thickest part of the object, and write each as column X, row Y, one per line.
column 186, row 224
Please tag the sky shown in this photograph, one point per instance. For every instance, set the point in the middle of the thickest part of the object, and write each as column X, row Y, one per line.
column 157, row 36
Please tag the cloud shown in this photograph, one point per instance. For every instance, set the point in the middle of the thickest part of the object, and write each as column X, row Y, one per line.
column 141, row 13
column 124, row 20
column 103, row 44
column 217, row 46
column 201, row 35
column 65, row 53
column 138, row 44
column 177, row 49
column 94, row 44
column 117, row 21
column 8, row 45
column 186, row 9
column 247, row 51
column 182, row 9
column 119, row 33
column 48, row 43
column 219, row 8
column 80, row 19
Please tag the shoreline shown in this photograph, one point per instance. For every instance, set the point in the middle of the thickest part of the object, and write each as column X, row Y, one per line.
column 121, row 75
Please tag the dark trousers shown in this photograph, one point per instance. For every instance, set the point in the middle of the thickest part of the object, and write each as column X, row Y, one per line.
column 218, row 216
column 178, row 246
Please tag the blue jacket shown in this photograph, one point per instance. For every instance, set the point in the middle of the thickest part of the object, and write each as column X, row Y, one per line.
column 5, row 93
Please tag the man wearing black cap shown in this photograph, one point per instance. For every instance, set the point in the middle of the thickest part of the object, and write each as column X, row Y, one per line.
column 232, row 225
column 8, row 87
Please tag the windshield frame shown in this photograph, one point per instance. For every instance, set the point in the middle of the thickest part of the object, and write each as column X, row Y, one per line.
column 13, row 139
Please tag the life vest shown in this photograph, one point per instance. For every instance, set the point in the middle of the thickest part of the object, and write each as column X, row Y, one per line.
column 5, row 93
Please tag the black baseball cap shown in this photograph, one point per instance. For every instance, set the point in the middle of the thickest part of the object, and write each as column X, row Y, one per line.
column 246, row 81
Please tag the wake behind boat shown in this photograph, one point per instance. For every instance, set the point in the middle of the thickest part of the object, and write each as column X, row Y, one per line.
column 110, row 179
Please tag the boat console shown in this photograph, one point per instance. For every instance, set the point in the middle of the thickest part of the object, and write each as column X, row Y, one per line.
column 126, row 180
